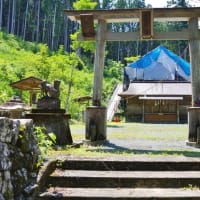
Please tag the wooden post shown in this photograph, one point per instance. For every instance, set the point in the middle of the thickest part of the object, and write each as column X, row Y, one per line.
column 99, row 63
column 194, row 46
column 177, row 112
column 96, row 115
column 30, row 97
column 143, row 111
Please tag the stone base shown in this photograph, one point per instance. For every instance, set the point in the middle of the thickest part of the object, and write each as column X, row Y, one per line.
column 192, row 144
column 48, row 103
column 96, row 123
column 57, row 123
column 37, row 110
column 193, row 123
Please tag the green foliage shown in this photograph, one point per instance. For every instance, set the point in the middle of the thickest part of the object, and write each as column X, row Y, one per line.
column 17, row 63
column 191, row 187
column 113, row 69
column 84, row 5
column 88, row 47
column 44, row 21
column 45, row 142
column 112, row 76
column 74, row 72
column 84, row 45
column 131, row 59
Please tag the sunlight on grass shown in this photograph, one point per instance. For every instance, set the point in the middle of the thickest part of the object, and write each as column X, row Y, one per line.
column 101, row 151
column 166, row 132
column 129, row 131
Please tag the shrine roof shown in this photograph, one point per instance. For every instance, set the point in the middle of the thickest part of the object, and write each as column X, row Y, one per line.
column 155, row 88
column 30, row 83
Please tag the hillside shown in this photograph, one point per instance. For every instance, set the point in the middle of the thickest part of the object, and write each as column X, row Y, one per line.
column 19, row 59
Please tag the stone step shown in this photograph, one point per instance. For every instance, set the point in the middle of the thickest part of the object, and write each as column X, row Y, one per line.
column 124, row 179
column 148, row 177
column 120, row 194
column 150, row 163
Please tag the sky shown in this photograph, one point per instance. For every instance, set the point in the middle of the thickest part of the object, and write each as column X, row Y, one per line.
column 163, row 3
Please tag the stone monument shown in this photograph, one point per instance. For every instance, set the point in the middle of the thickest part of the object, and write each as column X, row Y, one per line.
column 49, row 115
column 50, row 96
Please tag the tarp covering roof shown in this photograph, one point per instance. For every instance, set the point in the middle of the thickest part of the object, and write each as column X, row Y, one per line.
column 159, row 64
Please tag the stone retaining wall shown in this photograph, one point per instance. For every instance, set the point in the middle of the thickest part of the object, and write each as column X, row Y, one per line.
column 18, row 159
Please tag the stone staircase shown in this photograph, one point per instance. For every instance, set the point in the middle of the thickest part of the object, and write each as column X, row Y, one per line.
column 123, row 178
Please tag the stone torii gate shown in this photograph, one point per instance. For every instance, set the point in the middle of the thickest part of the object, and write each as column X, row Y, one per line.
column 96, row 114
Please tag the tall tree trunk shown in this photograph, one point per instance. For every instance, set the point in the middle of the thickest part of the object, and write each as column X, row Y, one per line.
column 25, row 20
column 66, row 33
column 137, row 47
column 57, row 38
column 38, row 22
column 53, row 28
column 49, row 34
column 8, row 18
column 1, row 13
column 118, row 51
column 18, row 19
column 34, row 14
column 13, row 17
column 44, row 29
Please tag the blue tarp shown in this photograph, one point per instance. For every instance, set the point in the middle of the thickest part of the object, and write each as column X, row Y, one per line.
column 160, row 60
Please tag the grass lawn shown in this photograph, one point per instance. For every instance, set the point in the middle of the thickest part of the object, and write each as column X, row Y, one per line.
column 123, row 133
column 137, row 131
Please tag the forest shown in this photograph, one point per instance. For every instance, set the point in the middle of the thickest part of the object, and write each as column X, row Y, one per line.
column 37, row 39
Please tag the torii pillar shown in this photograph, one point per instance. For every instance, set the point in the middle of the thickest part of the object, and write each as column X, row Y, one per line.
column 96, row 115
column 194, row 111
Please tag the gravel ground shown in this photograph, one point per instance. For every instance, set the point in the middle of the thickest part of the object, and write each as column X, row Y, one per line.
column 138, row 144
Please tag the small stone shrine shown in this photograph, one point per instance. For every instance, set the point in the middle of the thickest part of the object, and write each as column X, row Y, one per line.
column 49, row 115
column 14, row 108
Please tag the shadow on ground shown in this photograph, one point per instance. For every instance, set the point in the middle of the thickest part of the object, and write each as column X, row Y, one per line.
column 114, row 126
column 116, row 149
